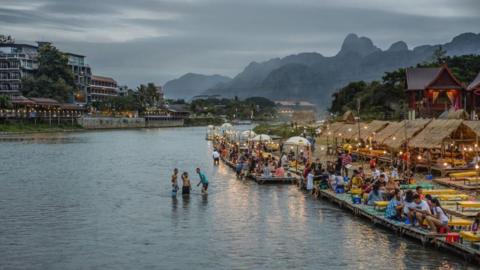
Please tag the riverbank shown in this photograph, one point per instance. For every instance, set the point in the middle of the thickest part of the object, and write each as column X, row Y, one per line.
column 24, row 128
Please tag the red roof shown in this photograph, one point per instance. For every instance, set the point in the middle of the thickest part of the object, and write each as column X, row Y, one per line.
column 103, row 79
column 45, row 101
column 423, row 78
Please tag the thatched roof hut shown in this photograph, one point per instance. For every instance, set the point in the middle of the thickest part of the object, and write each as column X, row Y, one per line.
column 408, row 130
column 438, row 131
column 347, row 132
column 474, row 126
column 348, row 117
column 371, row 129
column 387, row 132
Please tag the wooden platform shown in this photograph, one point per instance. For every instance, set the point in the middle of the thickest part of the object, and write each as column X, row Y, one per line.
column 426, row 238
column 458, row 184
column 275, row 180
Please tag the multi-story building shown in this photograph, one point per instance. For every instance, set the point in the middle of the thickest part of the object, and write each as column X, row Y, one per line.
column 83, row 77
column 102, row 88
column 20, row 60
column 16, row 61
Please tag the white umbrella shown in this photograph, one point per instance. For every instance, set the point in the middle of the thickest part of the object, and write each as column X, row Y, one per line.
column 297, row 140
column 247, row 134
column 261, row 138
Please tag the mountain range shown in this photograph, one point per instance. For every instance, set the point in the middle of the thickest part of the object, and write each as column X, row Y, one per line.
column 192, row 84
column 314, row 77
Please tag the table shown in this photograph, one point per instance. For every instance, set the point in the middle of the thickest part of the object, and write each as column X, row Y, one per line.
column 452, row 197
column 467, row 204
column 439, row 191
column 470, row 236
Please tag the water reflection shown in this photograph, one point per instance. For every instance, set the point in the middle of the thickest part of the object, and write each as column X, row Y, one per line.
column 106, row 203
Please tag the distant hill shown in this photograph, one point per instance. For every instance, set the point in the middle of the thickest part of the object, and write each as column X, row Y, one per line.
column 191, row 84
column 314, row 77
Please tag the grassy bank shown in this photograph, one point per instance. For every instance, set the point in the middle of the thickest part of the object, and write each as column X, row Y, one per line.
column 39, row 127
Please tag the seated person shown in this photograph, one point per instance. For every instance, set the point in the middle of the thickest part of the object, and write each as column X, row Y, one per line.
column 395, row 206
column 280, row 172
column 394, row 173
column 391, row 186
column 418, row 209
column 438, row 219
column 357, row 180
column 476, row 223
column 419, row 191
column 375, row 195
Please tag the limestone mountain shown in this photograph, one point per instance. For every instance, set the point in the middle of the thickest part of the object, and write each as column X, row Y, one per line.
column 315, row 77
column 192, row 84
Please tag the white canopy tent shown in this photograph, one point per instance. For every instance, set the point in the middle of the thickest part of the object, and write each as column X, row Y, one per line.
column 247, row 134
column 261, row 138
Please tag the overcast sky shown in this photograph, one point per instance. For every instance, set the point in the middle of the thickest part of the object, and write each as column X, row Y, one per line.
column 138, row 41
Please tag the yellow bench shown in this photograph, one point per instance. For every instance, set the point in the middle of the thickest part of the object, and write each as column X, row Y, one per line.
column 452, row 197
column 468, row 204
column 439, row 191
column 380, row 204
column 356, row 191
column 470, row 236
column 460, row 222
column 463, row 174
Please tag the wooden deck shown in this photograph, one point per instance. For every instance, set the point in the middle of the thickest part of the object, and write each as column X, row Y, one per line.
column 457, row 184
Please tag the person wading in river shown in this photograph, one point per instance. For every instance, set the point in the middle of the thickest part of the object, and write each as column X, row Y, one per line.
column 203, row 181
column 216, row 157
column 185, row 184
column 174, row 182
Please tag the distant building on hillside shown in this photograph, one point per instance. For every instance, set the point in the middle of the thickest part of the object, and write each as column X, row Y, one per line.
column 16, row 62
column 296, row 111
column 101, row 88
column 431, row 91
column 83, row 77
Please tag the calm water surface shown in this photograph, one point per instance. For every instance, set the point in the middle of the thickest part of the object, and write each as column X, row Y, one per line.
column 101, row 200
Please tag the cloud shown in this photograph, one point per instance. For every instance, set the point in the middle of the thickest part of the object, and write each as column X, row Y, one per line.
column 150, row 40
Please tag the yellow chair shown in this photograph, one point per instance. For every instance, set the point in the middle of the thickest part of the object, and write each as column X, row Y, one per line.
column 380, row 204
column 470, row 236
column 452, row 197
column 439, row 191
column 460, row 222
column 468, row 204
column 356, row 191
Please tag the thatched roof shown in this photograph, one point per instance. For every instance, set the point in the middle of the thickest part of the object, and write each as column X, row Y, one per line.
column 474, row 126
column 435, row 133
column 332, row 128
column 408, row 129
column 371, row 129
column 347, row 131
column 348, row 117
column 388, row 131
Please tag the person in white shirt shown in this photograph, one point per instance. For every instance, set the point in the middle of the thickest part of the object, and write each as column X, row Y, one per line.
column 419, row 209
column 439, row 219
column 310, row 181
column 216, row 157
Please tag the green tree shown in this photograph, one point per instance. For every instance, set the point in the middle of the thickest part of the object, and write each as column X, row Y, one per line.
column 53, row 78
column 5, row 102
column 6, row 39
column 148, row 95
column 439, row 55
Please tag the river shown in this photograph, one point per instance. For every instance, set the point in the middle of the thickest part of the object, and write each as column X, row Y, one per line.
column 101, row 200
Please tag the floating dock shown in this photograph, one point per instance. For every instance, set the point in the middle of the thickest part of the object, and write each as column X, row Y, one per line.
column 469, row 251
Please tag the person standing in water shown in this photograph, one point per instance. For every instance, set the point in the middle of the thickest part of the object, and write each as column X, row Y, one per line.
column 185, row 184
column 174, row 182
column 203, row 181
column 216, row 157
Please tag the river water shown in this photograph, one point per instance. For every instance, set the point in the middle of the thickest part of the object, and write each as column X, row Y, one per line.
column 101, row 200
